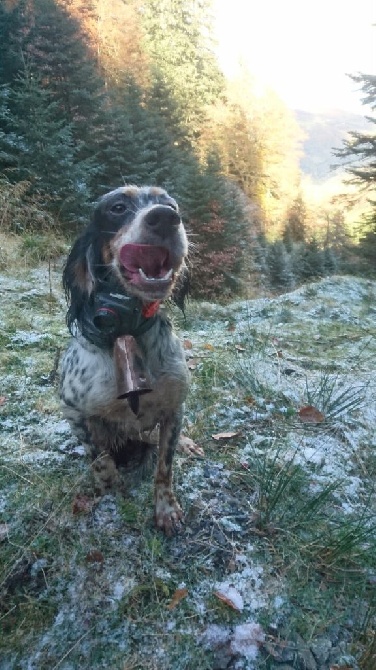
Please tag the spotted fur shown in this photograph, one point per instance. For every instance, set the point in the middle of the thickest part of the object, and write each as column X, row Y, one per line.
column 116, row 439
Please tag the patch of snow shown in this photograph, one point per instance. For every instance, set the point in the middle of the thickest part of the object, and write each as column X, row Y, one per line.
column 163, row 574
column 229, row 525
column 40, row 456
column 246, row 640
column 216, row 636
column 121, row 587
column 278, row 602
column 248, row 584
column 28, row 337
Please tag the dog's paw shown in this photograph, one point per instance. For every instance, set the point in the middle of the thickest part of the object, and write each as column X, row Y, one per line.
column 189, row 448
column 168, row 514
column 106, row 475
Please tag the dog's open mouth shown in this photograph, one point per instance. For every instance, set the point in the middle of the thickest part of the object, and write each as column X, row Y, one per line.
column 147, row 266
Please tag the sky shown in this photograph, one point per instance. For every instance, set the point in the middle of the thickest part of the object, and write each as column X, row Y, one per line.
column 300, row 49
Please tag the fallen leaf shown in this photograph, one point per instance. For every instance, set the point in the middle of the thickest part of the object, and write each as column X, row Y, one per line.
column 177, row 597
column 250, row 400
column 231, row 327
column 225, row 436
column 82, row 504
column 208, row 347
column 310, row 414
column 192, row 363
column 280, row 353
column 187, row 344
column 2, row 400
column 94, row 556
column 230, row 597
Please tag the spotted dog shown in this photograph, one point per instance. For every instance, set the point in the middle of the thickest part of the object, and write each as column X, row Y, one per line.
column 133, row 250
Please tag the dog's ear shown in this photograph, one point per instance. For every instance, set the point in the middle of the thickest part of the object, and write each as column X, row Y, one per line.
column 182, row 289
column 79, row 276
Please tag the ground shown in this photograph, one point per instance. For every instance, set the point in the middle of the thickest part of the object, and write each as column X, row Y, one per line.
column 275, row 566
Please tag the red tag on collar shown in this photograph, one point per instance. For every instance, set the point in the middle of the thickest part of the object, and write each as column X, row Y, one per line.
column 150, row 309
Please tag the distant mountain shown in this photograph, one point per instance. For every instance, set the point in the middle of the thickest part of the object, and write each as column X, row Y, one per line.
column 325, row 131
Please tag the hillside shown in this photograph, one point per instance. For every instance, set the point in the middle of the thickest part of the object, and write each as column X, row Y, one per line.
column 275, row 566
column 323, row 133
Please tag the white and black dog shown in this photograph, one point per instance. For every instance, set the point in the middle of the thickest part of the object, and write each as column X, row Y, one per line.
column 126, row 262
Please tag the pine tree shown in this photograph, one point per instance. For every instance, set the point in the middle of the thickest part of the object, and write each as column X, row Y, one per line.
column 295, row 226
column 308, row 260
column 10, row 56
column 38, row 147
column 57, row 51
column 176, row 39
column 360, row 150
column 330, row 261
column 279, row 267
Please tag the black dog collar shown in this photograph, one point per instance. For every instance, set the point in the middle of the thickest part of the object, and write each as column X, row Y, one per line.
column 109, row 314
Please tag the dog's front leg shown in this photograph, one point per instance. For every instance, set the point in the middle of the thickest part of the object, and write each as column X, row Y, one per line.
column 168, row 513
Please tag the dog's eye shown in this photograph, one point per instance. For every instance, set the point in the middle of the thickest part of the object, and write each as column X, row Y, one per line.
column 118, row 208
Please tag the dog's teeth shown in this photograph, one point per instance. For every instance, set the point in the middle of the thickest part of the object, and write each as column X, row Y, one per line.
column 143, row 275
column 166, row 277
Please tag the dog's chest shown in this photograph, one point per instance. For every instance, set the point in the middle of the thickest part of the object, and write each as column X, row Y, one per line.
column 167, row 395
column 89, row 382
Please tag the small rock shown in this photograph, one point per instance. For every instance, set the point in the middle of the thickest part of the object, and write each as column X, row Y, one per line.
column 282, row 652
column 304, row 657
column 321, row 649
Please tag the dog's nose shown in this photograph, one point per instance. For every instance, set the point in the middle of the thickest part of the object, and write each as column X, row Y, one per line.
column 162, row 220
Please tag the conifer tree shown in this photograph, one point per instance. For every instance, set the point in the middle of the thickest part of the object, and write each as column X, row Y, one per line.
column 184, row 65
column 360, row 150
column 37, row 147
column 295, row 226
column 309, row 261
column 279, row 267
column 57, row 51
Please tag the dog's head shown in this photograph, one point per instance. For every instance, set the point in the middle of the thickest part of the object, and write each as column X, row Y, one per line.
column 136, row 237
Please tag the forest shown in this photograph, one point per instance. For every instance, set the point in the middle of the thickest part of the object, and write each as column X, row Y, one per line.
column 98, row 93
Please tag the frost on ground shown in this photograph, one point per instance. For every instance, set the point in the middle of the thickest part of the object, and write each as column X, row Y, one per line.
column 275, row 564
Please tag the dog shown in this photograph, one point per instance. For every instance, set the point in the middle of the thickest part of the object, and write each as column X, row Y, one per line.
column 127, row 261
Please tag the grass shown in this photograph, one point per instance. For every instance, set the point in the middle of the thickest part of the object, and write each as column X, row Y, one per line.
column 282, row 510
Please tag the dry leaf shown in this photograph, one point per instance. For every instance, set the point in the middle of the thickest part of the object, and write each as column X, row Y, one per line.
column 94, row 556
column 250, row 400
column 187, row 344
column 208, row 347
column 2, row 400
column 280, row 353
column 225, row 436
column 310, row 414
column 82, row 504
column 192, row 363
column 231, row 597
column 177, row 597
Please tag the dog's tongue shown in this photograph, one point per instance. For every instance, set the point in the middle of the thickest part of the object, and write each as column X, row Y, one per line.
column 152, row 260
